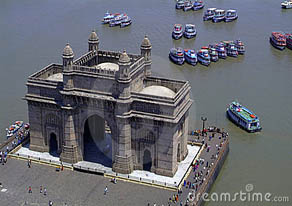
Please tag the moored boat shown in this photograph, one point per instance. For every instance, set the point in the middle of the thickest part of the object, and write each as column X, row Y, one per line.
column 220, row 48
column 231, row 15
column 197, row 5
column 190, row 56
column 286, row 4
column 243, row 117
column 179, row 4
column 108, row 17
column 177, row 55
column 13, row 128
column 177, row 31
column 126, row 22
column 204, row 57
column 288, row 40
column 219, row 15
column 231, row 49
column 278, row 40
column 190, row 31
column 187, row 6
column 209, row 14
column 117, row 20
column 240, row 46
column 213, row 54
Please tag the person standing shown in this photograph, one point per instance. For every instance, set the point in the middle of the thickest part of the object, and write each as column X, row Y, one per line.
column 105, row 190
column 45, row 191
column 29, row 189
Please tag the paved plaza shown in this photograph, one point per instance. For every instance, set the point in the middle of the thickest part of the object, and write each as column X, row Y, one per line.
column 73, row 188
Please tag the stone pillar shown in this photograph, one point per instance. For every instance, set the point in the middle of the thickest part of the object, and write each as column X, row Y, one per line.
column 124, row 79
column 70, row 151
column 123, row 162
column 37, row 138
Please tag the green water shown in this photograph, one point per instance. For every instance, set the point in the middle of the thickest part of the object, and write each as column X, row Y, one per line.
column 33, row 34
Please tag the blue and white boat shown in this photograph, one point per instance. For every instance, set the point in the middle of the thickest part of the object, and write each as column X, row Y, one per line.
column 126, row 22
column 197, row 5
column 219, row 15
column 188, row 6
column 177, row 32
column 204, row 57
column 191, row 56
column 243, row 117
column 179, row 4
column 108, row 17
column 176, row 55
column 240, row 46
column 190, row 31
column 220, row 48
column 231, row 48
column 231, row 15
column 213, row 54
column 209, row 14
column 117, row 20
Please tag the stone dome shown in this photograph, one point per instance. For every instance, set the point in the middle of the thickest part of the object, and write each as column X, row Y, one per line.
column 68, row 50
column 146, row 42
column 158, row 91
column 93, row 36
column 124, row 58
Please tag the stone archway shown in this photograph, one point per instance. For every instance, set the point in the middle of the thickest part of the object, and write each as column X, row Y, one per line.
column 97, row 141
column 147, row 160
column 53, row 145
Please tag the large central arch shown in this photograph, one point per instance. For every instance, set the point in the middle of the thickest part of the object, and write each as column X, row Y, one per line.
column 97, row 141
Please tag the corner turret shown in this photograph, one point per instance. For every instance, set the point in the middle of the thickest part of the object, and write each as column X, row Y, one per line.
column 93, row 42
column 68, row 57
column 146, row 53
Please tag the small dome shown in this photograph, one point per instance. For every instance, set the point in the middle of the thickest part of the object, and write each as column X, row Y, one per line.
column 93, row 36
column 68, row 50
column 158, row 91
column 124, row 58
column 146, row 42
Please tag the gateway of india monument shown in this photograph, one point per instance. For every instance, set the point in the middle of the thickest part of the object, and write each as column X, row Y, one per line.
column 77, row 104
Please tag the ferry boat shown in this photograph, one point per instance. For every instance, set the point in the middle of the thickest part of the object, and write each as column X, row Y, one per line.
column 108, row 17
column 240, row 46
column 117, row 20
column 231, row 49
column 188, row 6
column 177, row 31
column 126, row 22
column 190, row 56
column 243, row 117
column 204, row 57
column 177, row 55
column 197, row 5
column 213, row 54
column 286, row 5
column 219, row 15
column 231, row 15
column 13, row 128
column 209, row 14
column 190, row 31
column 220, row 48
column 278, row 40
column 179, row 4
column 288, row 40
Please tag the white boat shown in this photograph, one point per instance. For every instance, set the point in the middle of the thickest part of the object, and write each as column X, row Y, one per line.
column 286, row 4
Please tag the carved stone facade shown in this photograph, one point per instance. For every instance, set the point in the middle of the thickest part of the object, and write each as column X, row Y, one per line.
column 147, row 115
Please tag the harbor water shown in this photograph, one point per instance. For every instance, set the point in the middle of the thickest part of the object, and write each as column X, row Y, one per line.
column 33, row 34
